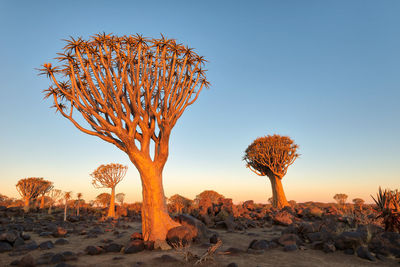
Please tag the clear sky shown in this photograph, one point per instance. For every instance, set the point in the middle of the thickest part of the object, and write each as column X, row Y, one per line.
column 326, row 73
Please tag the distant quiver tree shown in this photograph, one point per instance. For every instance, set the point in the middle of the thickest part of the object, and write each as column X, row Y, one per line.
column 30, row 188
column 108, row 176
column 46, row 187
column 130, row 91
column 271, row 156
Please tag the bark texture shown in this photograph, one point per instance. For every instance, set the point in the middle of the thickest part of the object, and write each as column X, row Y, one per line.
column 111, row 209
column 278, row 195
column 155, row 217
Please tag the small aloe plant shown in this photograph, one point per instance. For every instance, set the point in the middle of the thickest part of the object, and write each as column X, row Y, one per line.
column 388, row 205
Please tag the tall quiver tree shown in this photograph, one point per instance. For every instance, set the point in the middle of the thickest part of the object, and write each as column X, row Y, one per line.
column 130, row 91
column 78, row 203
column 108, row 176
column 271, row 156
column 30, row 188
column 46, row 187
column 67, row 196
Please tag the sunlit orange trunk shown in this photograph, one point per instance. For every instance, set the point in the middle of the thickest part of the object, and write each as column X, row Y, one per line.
column 111, row 210
column 42, row 202
column 155, row 218
column 278, row 195
column 26, row 204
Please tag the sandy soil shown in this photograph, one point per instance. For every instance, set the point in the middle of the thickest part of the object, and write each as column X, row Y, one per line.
column 240, row 240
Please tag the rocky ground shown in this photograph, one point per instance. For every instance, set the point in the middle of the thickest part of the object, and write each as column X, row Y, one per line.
column 291, row 237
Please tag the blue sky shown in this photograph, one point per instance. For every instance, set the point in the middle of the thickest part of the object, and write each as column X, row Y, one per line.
column 326, row 73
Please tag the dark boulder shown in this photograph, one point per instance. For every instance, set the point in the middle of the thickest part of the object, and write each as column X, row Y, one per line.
column 180, row 235
column 198, row 230
column 113, row 247
column 363, row 253
column 283, row 218
column 5, row 246
column 259, row 244
column 94, row 250
column 46, row 245
column 348, row 240
column 134, row 246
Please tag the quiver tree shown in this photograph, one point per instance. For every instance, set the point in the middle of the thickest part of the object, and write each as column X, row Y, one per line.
column 54, row 195
column 120, row 198
column 67, row 196
column 341, row 199
column 46, row 187
column 130, row 91
column 78, row 203
column 30, row 188
column 180, row 203
column 358, row 202
column 104, row 199
column 271, row 156
column 108, row 176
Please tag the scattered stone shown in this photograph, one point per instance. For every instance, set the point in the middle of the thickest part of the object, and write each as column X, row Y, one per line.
column 61, row 241
column 197, row 228
column 149, row 245
column 214, row 239
column 289, row 239
column 328, row 247
column 27, row 261
column 283, row 218
column 59, row 232
column 136, row 235
column 113, row 247
column 46, row 245
column 5, row 246
column 349, row 251
column 93, row 250
column 232, row 264
column 64, row 264
column 234, row 251
column 161, row 244
column 134, row 246
column 118, row 258
column 26, row 237
column 45, row 234
column 348, row 240
column 363, row 253
column 9, row 236
column 57, row 258
column 259, row 244
column 290, row 247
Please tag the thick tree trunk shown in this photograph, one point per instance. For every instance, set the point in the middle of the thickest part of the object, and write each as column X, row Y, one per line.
column 111, row 210
column 155, row 218
column 26, row 204
column 278, row 195
column 42, row 203
column 65, row 211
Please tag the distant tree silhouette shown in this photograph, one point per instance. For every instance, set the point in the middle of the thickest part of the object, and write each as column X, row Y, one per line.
column 358, row 202
column 54, row 195
column 46, row 187
column 130, row 91
column 30, row 188
column 108, row 176
column 78, row 204
column 341, row 199
column 180, row 203
column 104, row 199
column 120, row 198
column 67, row 196
column 205, row 200
column 271, row 156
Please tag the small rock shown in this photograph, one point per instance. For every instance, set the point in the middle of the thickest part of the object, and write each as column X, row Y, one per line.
column 234, row 251
column 290, row 247
column 214, row 239
column 5, row 246
column 46, row 245
column 136, row 235
column 69, row 256
column 349, row 251
column 328, row 247
column 161, row 244
column 113, row 247
column 363, row 253
column 57, row 258
column 61, row 241
column 232, row 264
column 289, row 239
column 27, row 261
column 45, row 234
column 134, row 246
column 59, row 232
column 283, row 218
column 93, row 250
column 26, row 237
column 149, row 245
column 259, row 244
column 18, row 242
